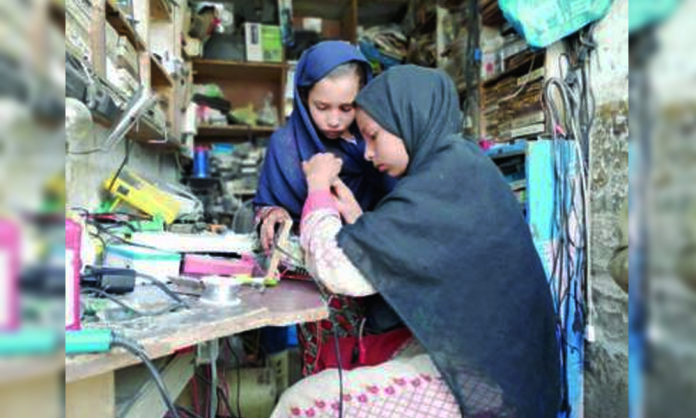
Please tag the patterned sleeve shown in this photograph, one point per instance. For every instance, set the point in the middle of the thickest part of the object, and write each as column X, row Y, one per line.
column 325, row 260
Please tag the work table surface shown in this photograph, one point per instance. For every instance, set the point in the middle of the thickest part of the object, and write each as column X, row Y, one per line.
column 291, row 302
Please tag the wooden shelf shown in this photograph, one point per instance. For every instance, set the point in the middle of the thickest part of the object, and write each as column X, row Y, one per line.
column 520, row 69
column 232, row 133
column 329, row 9
column 160, row 10
column 145, row 132
column 238, row 70
column 159, row 77
column 123, row 27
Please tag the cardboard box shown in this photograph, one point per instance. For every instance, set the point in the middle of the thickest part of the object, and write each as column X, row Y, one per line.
column 263, row 43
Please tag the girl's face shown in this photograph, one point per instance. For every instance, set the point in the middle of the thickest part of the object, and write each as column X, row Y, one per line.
column 330, row 103
column 386, row 151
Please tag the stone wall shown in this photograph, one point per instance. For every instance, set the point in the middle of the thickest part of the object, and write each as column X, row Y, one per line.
column 606, row 372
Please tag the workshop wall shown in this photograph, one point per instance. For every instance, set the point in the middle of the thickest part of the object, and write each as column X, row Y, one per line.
column 85, row 174
column 670, row 383
column 606, row 373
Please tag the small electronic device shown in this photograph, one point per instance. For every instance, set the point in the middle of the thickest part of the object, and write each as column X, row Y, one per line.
column 112, row 280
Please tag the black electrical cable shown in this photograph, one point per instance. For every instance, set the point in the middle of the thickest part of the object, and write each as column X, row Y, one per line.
column 133, row 348
column 239, row 376
column 164, row 288
column 221, row 394
column 334, row 325
column 570, row 204
column 121, row 167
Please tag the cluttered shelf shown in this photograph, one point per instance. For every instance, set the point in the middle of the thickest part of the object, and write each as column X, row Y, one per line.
column 119, row 21
column 521, row 67
column 144, row 132
column 218, row 69
column 159, row 76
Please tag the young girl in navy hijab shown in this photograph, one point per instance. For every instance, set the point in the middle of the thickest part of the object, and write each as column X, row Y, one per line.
column 328, row 77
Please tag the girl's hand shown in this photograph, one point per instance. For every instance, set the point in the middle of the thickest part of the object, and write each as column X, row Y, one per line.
column 348, row 207
column 322, row 171
column 274, row 218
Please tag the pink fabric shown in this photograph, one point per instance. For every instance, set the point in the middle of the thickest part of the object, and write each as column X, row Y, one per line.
column 322, row 199
column 415, row 396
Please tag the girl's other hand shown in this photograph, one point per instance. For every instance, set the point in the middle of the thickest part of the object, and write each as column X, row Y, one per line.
column 322, row 171
column 348, row 207
column 274, row 218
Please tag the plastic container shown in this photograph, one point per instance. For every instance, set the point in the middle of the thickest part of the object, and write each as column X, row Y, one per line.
column 201, row 163
column 156, row 263
column 215, row 266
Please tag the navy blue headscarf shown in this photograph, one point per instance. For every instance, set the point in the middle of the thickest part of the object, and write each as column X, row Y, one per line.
column 282, row 181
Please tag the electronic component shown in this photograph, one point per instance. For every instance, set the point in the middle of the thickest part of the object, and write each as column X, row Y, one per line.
column 109, row 279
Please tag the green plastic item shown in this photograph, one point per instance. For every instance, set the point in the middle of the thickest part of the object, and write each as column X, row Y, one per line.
column 88, row 341
column 28, row 342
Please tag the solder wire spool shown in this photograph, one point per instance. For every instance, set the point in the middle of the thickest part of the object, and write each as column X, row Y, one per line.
column 201, row 166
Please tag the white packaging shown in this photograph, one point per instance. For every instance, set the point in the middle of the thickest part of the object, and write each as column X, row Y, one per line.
column 252, row 37
column 159, row 264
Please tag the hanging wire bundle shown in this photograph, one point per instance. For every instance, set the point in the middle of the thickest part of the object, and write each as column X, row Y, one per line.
column 570, row 106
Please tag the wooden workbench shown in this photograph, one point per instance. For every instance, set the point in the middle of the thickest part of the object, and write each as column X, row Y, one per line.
column 288, row 303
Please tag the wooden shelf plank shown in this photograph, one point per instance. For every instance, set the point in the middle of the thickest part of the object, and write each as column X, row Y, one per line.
column 160, row 10
column 159, row 77
column 144, row 132
column 517, row 69
column 241, row 70
column 231, row 134
column 123, row 27
column 330, row 9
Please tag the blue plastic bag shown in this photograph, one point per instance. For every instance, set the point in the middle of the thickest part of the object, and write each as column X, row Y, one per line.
column 644, row 13
column 543, row 22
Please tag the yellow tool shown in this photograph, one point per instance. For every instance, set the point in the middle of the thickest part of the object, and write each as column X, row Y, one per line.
column 142, row 195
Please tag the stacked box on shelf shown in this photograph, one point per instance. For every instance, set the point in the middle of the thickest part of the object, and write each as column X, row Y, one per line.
column 78, row 17
column 122, row 69
column 513, row 107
